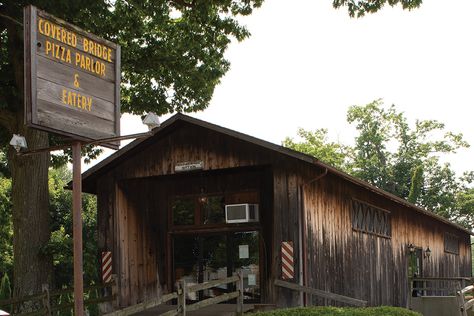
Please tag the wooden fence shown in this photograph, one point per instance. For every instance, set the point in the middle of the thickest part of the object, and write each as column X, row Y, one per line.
column 183, row 290
column 466, row 299
column 437, row 286
column 328, row 295
column 49, row 303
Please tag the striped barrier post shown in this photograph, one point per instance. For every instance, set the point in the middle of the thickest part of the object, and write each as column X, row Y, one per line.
column 106, row 266
column 287, row 261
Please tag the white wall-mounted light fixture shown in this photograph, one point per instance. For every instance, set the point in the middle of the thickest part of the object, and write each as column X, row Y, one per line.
column 151, row 120
column 18, row 142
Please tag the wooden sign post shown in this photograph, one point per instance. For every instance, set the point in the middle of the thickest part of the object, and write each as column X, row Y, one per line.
column 72, row 88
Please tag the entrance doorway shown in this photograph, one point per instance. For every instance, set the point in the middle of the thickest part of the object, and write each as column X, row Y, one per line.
column 415, row 270
column 200, row 257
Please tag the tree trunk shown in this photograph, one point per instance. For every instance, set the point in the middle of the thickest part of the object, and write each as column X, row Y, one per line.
column 31, row 219
column 30, row 195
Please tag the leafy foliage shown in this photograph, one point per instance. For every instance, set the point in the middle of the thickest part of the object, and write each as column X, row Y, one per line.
column 340, row 311
column 316, row 144
column 5, row 288
column 6, row 228
column 61, row 245
column 400, row 159
column 358, row 8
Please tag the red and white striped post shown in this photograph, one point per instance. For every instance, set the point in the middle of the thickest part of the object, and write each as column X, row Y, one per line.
column 106, row 266
column 287, row 261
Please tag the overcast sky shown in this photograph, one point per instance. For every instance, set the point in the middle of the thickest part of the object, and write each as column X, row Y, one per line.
column 306, row 63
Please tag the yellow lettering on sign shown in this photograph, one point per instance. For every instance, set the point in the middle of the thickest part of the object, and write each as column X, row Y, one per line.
column 90, row 64
column 76, row 100
column 97, row 50
column 58, row 52
column 57, row 32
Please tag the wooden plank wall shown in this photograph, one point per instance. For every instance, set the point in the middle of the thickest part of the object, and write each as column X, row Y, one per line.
column 124, row 229
column 339, row 259
column 286, row 228
column 366, row 266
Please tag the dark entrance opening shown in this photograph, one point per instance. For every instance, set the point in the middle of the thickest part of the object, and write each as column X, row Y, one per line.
column 199, row 258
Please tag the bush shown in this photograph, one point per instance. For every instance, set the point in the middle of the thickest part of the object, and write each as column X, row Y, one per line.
column 340, row 311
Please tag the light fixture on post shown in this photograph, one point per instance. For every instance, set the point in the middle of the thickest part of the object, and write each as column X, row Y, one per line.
column 18, row 142
column 151, row 120
column 411, row 248
column 427, row 252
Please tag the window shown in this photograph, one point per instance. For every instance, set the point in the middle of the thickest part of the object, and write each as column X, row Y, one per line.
column 205, row 209
column 451, row 243
column 213, row 210
column 183, row 211
column 371, row 220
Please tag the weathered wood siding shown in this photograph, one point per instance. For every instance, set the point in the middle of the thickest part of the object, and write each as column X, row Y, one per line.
column 133, row 199
column 366, row 266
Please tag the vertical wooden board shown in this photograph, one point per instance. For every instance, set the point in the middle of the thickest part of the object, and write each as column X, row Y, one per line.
column 132, row 249
column 142, row 228
column 124, row 248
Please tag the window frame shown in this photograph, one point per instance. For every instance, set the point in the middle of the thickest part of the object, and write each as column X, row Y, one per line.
column 451, row 236
column 364, row 223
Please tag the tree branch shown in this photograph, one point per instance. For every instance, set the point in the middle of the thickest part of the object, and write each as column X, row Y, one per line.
column 10, row 19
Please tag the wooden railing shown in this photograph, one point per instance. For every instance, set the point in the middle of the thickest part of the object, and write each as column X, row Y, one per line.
column 47, row 303
column 182, row 291
column 466, row 302
column 328, row 295
column 437, row 286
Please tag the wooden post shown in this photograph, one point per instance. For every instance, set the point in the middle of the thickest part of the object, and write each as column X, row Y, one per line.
column 461, row 303
column 182, row 297
column 240, row 299
column 77, row 229
column 115, row 291
column 46, row 299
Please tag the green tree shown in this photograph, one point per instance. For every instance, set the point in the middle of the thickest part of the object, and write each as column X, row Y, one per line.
column 315, row 143
column 358, row 8
column 172, row 59
column 6, row 228
column 60, row 246
column 400, row 159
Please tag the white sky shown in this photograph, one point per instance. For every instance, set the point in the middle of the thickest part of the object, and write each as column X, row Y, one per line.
column 306, row 63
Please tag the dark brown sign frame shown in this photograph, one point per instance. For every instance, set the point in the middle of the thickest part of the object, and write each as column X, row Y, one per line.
column 72, row 79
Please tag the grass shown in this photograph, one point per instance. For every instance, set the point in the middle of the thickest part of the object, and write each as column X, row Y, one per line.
column 340, row 311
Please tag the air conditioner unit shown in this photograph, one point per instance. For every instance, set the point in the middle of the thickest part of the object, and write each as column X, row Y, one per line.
column 241, row 213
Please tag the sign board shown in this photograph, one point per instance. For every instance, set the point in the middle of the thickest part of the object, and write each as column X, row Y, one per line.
column 72, row 79
column 188, row 166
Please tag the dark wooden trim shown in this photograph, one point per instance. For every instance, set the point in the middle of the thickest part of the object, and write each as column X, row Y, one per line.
column 371, row 205
column 216, row 229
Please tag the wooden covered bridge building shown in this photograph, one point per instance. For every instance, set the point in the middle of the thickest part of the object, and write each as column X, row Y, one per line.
column 199, row 201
